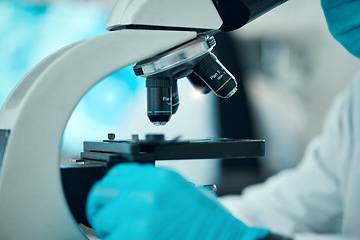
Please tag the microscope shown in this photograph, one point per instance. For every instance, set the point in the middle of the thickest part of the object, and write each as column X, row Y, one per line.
column 167, row 40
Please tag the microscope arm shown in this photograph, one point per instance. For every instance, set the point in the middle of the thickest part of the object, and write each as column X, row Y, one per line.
column 35, row 115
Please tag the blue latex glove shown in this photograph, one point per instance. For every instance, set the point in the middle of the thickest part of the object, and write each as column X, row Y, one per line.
column 143, row 202
column 343, row 18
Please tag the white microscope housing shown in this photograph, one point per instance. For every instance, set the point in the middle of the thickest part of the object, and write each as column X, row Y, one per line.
column 199, row 14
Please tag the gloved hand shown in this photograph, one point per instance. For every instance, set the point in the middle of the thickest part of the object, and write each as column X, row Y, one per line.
column 143, row 202
column 343, row 18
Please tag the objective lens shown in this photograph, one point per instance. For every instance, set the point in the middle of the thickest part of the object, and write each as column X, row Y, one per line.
column 159, row 99
column 198, row 83
column 216, row 76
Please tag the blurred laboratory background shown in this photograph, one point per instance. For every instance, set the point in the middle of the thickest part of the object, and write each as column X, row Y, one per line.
column 288, row 68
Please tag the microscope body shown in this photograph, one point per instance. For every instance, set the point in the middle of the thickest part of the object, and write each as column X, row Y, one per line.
column 201, row 15
column 32, row 204
column 33, row 118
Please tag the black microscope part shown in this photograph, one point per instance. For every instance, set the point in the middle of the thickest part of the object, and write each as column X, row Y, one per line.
column 159, row 99
column 198, row 83
column 273, row 236
column 237, row 13
column 155, row 138
column 175, row 100
column 4, row 135
column 216, row 76
column 111, row 136
column 234, row 14
column 157, row 148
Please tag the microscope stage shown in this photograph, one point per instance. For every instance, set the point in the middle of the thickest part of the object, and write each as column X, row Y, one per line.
column 155, row 148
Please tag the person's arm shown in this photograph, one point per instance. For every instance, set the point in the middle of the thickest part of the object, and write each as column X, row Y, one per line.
column 308, row 197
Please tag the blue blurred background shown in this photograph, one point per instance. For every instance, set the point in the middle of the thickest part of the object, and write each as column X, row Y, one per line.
column 31, row 30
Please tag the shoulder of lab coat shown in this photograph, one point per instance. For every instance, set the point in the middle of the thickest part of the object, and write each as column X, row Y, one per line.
column 314, row 197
